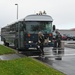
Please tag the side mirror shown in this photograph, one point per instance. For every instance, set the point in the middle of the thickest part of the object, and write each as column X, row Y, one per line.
column 54, row 27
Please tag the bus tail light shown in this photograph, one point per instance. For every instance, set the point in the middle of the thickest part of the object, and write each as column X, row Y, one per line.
column 28, row 35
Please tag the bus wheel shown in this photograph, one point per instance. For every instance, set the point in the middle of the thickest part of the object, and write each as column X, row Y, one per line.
column 59, row 58
column 26, row 49
column 6, row 44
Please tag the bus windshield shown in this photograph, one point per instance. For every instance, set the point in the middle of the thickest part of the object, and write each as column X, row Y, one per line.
column 36, row 26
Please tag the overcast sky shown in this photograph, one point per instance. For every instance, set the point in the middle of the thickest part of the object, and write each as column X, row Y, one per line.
column 62, row 11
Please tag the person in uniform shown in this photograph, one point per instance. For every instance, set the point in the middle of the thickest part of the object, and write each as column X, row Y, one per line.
column 41, row 42
column 58, row 39
column 57, row 42
column 54, row 39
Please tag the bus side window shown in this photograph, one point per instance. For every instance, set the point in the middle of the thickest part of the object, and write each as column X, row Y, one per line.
column 22, row 26
column 16, row 27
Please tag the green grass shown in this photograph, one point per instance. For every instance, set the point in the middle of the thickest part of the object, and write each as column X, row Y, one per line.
column 26, row 66
column 23, row 66
column 5, row 50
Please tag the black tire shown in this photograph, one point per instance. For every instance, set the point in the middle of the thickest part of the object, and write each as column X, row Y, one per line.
column 74, row 39
column 59, row 58
column 6, row 44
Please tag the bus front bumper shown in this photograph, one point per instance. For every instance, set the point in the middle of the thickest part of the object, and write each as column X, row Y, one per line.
column 34, row 45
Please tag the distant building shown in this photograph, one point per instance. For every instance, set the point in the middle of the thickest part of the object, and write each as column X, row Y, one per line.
column 71, row 32
column 73, row 29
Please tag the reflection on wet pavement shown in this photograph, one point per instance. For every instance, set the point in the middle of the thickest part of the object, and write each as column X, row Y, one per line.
column 66, row 65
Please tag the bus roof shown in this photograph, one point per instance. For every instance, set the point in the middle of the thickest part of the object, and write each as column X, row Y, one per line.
column 38, row 18
column 34, row 17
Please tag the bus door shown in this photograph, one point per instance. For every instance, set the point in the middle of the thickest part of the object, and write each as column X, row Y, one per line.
column 19, row 35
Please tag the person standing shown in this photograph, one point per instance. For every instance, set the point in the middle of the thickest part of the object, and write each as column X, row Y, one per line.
column 41, row 42
column 54, row 39
column 58, row 39
column 57, row 42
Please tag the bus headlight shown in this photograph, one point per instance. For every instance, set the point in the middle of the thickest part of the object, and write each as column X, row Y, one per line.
column 49, row 41
column 38, row 46
column 30, row 41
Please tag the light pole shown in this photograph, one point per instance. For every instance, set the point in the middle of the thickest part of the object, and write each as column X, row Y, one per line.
column 17, row 10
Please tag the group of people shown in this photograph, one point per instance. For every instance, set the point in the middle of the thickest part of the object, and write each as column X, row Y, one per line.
column 56, row 38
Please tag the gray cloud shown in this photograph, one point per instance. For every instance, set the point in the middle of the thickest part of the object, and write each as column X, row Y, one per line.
column 62, row 11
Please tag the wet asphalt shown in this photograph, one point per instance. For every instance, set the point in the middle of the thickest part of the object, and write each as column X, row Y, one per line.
column 66, row 65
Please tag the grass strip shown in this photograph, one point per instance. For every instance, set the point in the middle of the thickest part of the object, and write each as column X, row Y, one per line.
column 6, row 50
column 26, row 66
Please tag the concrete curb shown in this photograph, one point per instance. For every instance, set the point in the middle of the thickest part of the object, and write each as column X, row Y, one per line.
column 11, row 56
column 70, row 46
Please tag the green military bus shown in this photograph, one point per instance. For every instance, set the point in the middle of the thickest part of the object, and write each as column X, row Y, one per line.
column 23, row 34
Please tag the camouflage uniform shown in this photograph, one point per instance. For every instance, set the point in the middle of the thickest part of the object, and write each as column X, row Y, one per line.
column 41, row 42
